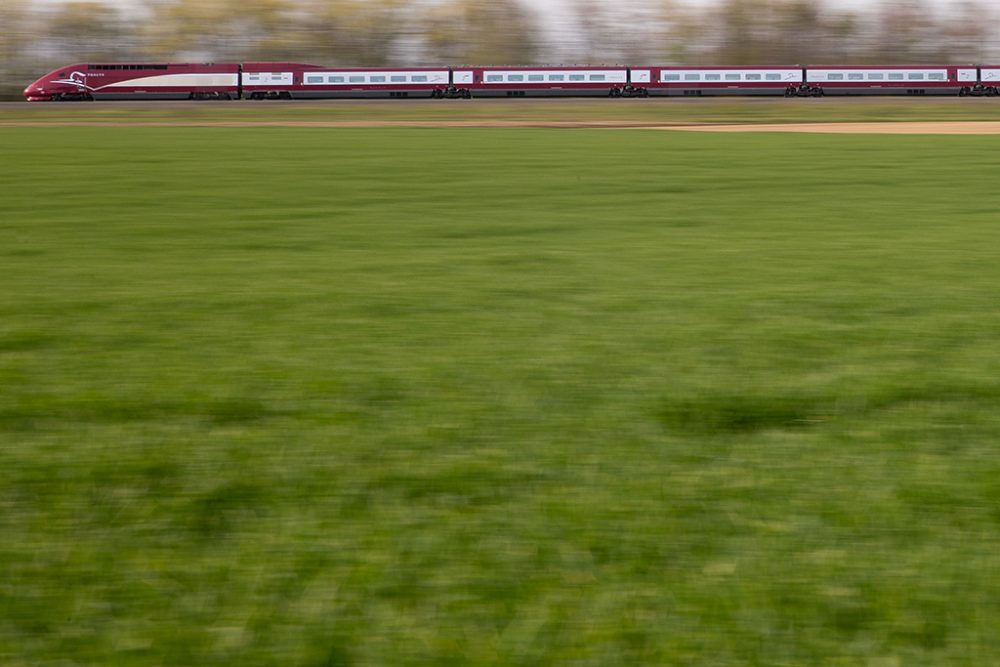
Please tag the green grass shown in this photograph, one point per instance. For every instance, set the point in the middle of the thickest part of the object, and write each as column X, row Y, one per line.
column 501, row 397
column 542, row 111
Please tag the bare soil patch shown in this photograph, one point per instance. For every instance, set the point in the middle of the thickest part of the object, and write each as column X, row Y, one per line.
column 925, row 127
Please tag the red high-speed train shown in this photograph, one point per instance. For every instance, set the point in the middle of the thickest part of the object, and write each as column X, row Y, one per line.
column 284, row 80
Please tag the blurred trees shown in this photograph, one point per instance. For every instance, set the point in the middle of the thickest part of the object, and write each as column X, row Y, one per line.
column 634, row 34
column 779, row 32
column 356, row 32
column 968, row 31
column 809, row 31
column 35, row 37
column 14, row 35
column 473, row 31
column 219, row 30
column 906, row 31
column 87, row 30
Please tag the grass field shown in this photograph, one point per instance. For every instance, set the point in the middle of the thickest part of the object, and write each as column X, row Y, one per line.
column 498, row 397
column 543, row 111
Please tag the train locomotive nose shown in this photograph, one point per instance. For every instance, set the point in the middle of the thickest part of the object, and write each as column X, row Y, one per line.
column 35, row 92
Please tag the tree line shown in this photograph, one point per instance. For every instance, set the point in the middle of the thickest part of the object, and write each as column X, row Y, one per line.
column 35, row 38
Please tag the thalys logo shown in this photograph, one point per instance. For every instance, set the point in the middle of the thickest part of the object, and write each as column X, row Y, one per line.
column 78, row 79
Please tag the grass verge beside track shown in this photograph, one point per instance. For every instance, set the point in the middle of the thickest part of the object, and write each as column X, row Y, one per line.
column 377, row 397
column 540, row 111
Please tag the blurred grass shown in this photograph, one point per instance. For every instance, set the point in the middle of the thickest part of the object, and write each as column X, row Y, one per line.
column 639, row 111
column 371, row 397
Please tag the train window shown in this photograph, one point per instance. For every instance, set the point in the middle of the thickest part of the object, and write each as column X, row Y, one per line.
column 692, row 77
column 515, row 77
column 713, row 77
column 671, row 77
column 753, row 77
column 557, row 77
column 936, row 76
column 377, row 79
column 335, row 79
column 773, row 76
column 732, row 77
column 876, row 76
column 835, row 76
column 895, row 76
column 856, row 76
column 314, row 79
column 418, row 78
column 357, row 79
column 915, row 76
column 597, row 77
column 577, row 77
column 397, row 78
column 494, row 77
column 536, row 77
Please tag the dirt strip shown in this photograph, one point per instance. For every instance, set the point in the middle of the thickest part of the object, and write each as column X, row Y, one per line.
column 925, row 127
